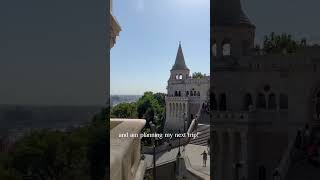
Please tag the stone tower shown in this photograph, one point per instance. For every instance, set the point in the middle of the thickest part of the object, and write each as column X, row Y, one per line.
column 185, row 96
column 232, row 32
column 232, row 38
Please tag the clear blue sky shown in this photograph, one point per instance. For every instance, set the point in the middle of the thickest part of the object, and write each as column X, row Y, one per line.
column 146, row 48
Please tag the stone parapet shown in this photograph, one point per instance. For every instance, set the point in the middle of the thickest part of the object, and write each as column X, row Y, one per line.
column 125, row 156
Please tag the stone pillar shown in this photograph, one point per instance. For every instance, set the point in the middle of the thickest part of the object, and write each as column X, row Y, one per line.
column 218, row 156
column 231, row 155
column 244, row 155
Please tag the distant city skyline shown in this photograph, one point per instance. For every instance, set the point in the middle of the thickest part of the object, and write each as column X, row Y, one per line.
column 147, row 46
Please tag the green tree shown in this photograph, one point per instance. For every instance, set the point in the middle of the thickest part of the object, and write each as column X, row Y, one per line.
column 197, row 75
column 124, row 110
column 283, row 43
column 52, row 155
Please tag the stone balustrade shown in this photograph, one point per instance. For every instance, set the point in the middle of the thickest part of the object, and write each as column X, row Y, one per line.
column 125, row 152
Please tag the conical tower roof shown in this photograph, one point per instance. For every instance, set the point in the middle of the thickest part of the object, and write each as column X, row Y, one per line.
column 229, row 12
column 179, row 63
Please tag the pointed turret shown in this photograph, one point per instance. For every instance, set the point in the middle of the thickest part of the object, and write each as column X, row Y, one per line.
column 232, row 32
column 179, row 63
column 179, row 70
column 229, row 12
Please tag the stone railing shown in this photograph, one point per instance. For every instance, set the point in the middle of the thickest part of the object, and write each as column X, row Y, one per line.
column 125, row 156
column 228, row 115
column 286, row 160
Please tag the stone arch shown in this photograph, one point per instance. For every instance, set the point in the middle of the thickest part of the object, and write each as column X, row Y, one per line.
column 262, row 172
column 226, row 47
column 316, row 100
column 272, row 102
column 247, row 101
column 261, row 101
column 173, row 109
column 223, row 102
column 283, row 101
column 214, row 49
column 214, row 103
column 180, row 76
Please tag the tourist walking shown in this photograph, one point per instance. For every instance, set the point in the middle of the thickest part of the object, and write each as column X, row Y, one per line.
column 204, row 158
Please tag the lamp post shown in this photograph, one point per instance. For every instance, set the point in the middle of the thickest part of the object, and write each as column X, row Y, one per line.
column 184, row 126
column 153, row 130
column 179, row 153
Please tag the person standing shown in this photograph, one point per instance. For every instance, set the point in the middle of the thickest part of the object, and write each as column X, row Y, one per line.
column 204, row 158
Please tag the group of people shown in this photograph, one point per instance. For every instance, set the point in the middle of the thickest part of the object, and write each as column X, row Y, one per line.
column 309, row 144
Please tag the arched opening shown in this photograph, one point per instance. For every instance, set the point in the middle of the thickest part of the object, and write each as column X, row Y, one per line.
column 317, row 105
column 191, row 117
column 226, row 48
column 223, row 102
column 179, row 93
column 180, row 76
column 272, row 102
column 261, row 101
column 214, row 49
column 283, row 101
column 175, row 93
column 247, row 101
column 198, row 93
column 177, row 76
column 187, row 93
column 191, row 93
column 262, row 173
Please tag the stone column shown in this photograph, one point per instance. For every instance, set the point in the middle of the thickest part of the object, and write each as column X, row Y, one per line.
column 231, row 155
column 244, row 155
column 218, row 156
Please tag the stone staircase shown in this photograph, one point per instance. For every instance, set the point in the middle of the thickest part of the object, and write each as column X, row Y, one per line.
column 204, row 135
column 301, row 168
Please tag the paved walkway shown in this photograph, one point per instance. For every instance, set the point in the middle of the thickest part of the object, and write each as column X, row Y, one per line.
column 193, row 153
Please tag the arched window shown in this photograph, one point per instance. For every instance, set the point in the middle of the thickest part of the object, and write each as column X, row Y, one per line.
column 191, row 93
column 213, row 102
column 247, row 101
column 317, row 105
column 261, row 101
column 245, row 47
column 177, row 76
column 223, row 102
column 175, row 93
column 262, row 173
column 179, row 93
column 187, row 93
column 198, row 93
column 283, row 101
column 226, row 48
column 214, row 49
column 180, row 76
column 272, row 102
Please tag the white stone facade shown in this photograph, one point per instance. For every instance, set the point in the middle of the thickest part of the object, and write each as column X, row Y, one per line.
column 185, row 95
column 258, row 101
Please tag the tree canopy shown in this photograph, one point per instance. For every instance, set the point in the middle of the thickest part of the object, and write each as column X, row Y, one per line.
column 283, row 43
column 197, row 75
